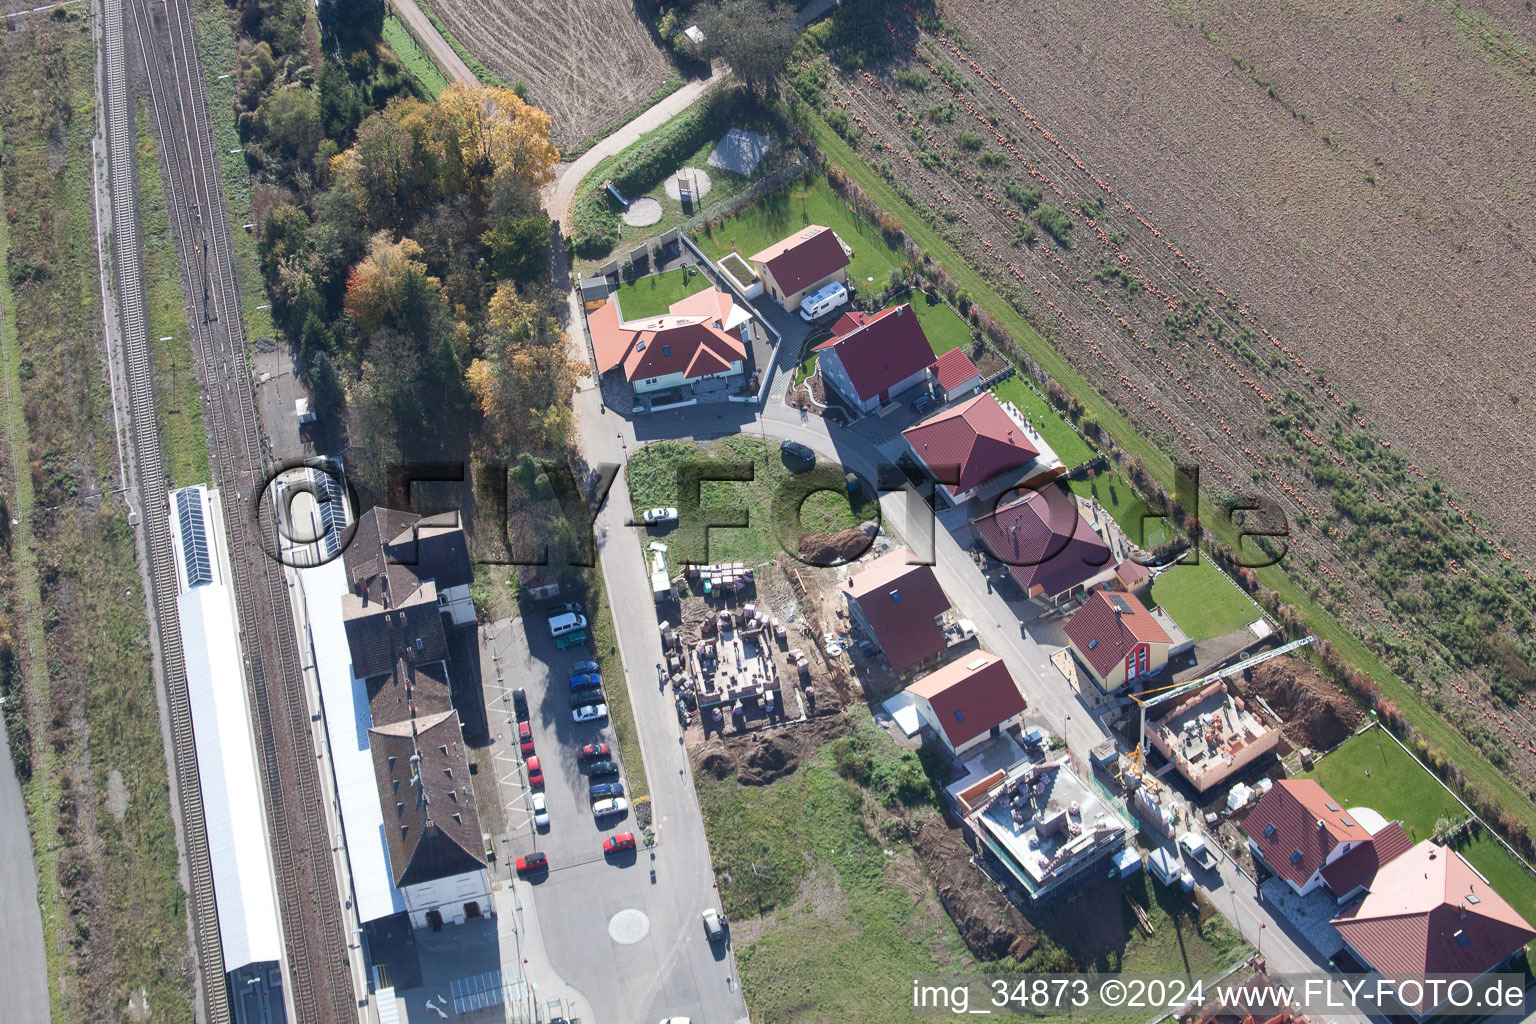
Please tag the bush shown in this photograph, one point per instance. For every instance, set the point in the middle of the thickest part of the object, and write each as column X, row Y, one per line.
column 1053, row 220
column 968, row 141
column 912, row 78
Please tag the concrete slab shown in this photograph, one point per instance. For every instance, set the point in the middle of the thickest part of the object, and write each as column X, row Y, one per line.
column 740, row 151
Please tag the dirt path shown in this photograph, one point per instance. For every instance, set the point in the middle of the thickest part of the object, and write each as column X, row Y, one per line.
column 426, row 32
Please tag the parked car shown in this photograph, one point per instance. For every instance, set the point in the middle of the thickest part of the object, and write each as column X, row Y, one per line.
column 525, row 738
column 603, row 790
column 714, row 924
column 619, row 842
column 520, row 702
column 540, row 811
column 582, row 698
column 590, row 713
column 923, row 402
column 593, row 750
column 798, row 452
column 582, row 667
column 586, row 681
column 603, row 767
column 533, row 862
column 605, row 808
column 569, row 608
column 535, row 772
column 677, row 1020
column 653, row 516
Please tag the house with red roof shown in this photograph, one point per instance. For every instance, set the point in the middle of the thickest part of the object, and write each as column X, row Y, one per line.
column 954, row 375
column 1429, row 912
column 793, row 267
column 901, row 607
column 1050, row 550
column 1118, row 639
column 702, row 337
column 1356, row 871
column 981, row 447
column 1297, row 830
column 967, row 702
column 870, row 359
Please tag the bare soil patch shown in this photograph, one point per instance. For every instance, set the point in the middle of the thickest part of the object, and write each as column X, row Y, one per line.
column 1315, row 713
column 989, row 924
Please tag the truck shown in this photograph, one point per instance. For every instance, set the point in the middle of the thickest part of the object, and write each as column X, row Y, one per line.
column 1194, row 847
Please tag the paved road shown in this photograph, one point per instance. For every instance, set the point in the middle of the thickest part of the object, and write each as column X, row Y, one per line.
column 21, row 922
column 445, row 56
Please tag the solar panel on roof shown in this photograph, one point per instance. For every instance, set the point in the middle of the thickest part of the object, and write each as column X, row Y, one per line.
column 333, row 513
column 194, row 539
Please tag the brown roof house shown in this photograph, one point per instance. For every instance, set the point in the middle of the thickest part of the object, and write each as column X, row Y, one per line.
column 955, row 375
column 870, row 359
column 701, row 338
column 980, row 448
column 967, row 702
column 793, row 267
column 1356, row 871
column 1050, row 550
column 1297, row 829
column 901, row 607
column 1118, row 639
column 1429, row 912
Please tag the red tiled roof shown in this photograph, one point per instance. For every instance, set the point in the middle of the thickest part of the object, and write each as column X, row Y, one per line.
column 885, row 349
column 1044, row 541
column 848, row 322
column 691, row 339
column 1359, row 866
column 803, row 258
column 1131, row 573
column 971, row 443
column 1294, row 807
column 969, row 697
column 954, row 368
column 1109, row 626
column 1429, row 912
column 900, row 602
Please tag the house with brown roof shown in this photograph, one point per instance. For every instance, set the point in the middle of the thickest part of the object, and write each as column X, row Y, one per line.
column 700, row 338
column 1429, row 912
column 901, row 607
column 793, row 267
column 968, row 702
column 981, row 448
column 1297, row 829
column 954, row 375
column 1119, row 641
column 1356, row 871
column 1050, row 550
column 871, row 359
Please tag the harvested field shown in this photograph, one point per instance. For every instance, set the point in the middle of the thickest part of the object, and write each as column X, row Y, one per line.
column 588, row 64
column 1315, row 713
column 1207, row 229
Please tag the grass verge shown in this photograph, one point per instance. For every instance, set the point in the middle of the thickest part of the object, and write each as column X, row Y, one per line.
column 1202, row 601
column 413, row 58
column 479, row 70
column 1066, row 442
column 621, row 714
column 654, row 294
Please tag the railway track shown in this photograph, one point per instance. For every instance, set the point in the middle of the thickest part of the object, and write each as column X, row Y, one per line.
column 319, row 976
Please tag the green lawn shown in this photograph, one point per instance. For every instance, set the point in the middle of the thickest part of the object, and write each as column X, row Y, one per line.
column 1068, row 444
column 1118, row 499
column 944, row 328
column 808, row 360
column 807, row 202
column 415, row 61
column 653, row 295
column 1202, row 601
column 1401, row 790
column 762, row 507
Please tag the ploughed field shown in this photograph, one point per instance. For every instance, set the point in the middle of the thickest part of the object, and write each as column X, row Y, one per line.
column 1291, row 245
column 588, row 62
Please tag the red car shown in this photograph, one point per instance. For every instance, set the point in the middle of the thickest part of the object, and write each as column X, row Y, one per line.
column 620, row 842
column 535, row 772
column 525, row 736
column 593, row 750
column 536, row 861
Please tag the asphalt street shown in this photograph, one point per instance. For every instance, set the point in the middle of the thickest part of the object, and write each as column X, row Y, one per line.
column 21, row 922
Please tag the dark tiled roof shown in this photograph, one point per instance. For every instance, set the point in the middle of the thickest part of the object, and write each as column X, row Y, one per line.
column 1109, row 626
column 379, row 635
column 1044, row 541
column 886, row 349
column 971, row 443
column 1295, row 807
column 1359, row 866
column 803, row 258
column 393, row 552
column 901, row 603
column 969, row 697
column 431, row 827
column 423, row 687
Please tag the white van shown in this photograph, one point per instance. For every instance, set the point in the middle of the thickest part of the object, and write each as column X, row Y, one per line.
column 566, row 622
column 822, row 301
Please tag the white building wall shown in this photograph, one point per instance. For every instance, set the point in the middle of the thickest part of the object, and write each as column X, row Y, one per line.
column 677, row 380
column 447, row 896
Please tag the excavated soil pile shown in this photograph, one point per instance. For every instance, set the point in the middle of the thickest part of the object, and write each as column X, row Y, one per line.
column 989, row 924
column 833, row 548
column 1315, row 712
column 760, row 757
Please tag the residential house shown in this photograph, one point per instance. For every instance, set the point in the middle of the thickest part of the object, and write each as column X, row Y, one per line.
column 1119, row 641
column 701, row 338
column 1297, row 829
column 954, row 375
column 870, row 359
column 901, row 607
column 1429, row 912
column 1050, row 550
column 979, row 449
column 967, row 702
column 1356, row 871
column 793, row 267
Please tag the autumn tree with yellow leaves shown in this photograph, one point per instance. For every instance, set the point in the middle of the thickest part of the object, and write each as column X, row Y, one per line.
column 524, row 381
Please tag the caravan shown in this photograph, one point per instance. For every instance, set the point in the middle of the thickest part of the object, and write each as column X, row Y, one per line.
column 823, row 301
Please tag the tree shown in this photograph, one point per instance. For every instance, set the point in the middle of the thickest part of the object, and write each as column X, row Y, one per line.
column 391, row 286
column 385, row 172
column 755, row 37
column 524, row 383
column 481, row 133
column 289, row 120
column 519, row 248
column 341, row 109
column 388, row 418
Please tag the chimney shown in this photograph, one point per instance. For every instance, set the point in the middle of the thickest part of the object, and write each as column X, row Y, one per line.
column 1320, row 824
